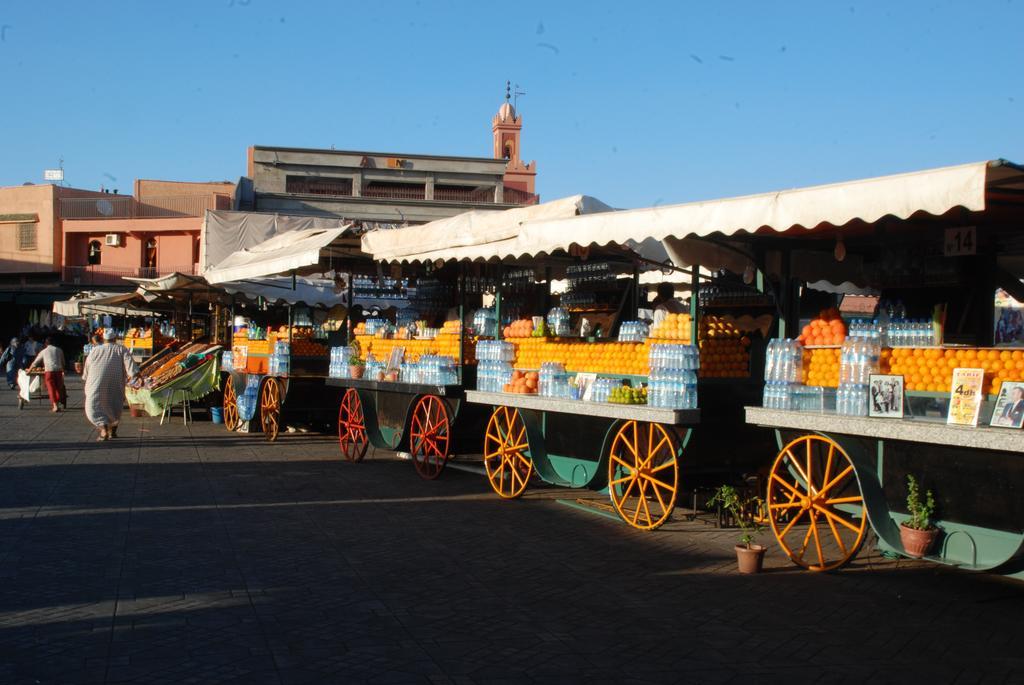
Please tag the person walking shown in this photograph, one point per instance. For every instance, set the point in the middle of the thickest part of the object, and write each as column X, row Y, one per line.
column 108, row 368
column 51, row 358
column 9, row 363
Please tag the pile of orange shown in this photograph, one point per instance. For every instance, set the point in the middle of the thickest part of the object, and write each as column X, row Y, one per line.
column 827, row 329
column 931, row 369
column 520, row 328
column 580, row 356
column 725, row 357
column 675, row 327
column 724, row 349
column 821, row 367
column 522, row 382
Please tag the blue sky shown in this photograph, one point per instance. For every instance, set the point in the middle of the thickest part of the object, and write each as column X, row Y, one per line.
column 635, row 103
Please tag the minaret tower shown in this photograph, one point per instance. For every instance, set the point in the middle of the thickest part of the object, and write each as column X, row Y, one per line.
column 507, row 128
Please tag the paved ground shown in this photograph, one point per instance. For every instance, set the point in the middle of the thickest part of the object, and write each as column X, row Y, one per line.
column 174, row 555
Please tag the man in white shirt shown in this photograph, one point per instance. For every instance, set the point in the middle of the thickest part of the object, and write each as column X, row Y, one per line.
column 52, row 360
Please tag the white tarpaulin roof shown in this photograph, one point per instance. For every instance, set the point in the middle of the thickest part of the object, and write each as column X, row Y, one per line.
column 470, row 232
column 315, row 292
column 86, row 303
column 281, row 254
column 934, row 191
column 226, row 232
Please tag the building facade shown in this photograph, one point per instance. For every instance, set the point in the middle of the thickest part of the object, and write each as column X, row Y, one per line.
column 155, row 231
column 391, row 188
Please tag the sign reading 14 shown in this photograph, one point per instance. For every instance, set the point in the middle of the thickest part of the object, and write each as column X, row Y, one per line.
column 960, row 241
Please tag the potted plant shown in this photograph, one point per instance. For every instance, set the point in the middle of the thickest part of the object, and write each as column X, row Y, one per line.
column 744, row 510
column 917, row 533
column 79, row 363
column 356, row 366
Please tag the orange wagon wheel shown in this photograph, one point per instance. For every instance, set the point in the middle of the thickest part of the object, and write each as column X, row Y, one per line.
column 230, row 404
column 643, row 474
column 815, row 505
column 506, row 453
column 352, row 427
column 430, row 436
column 270, row 409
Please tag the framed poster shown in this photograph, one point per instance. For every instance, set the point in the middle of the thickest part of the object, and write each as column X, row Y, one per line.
column 585, row 385
column 885, row 396
column 395, row 360
column 965, row 397
column 1009, row 411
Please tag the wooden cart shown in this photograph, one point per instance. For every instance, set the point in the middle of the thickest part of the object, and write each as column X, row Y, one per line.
column 631, row 451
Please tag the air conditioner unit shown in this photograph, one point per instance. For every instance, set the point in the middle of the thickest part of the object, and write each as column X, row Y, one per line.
column 113, row 240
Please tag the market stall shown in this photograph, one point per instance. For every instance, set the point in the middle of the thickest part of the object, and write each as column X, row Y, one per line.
column 576, row 389
column 896, row 353
column 419, row 364
column 177, row 374
column 279, row 357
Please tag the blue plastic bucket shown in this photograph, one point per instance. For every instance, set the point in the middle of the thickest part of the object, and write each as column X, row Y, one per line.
column 217, row 414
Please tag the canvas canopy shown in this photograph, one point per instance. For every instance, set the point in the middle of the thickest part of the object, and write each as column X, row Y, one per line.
column 87, row 303
column 315, row 292
column 933, row 192
column 286, row 252
column 227, row 232
column 469, row 232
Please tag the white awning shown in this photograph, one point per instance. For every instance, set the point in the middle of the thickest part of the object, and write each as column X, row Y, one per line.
column 315, row 292
column 933, row 192
column 87, row 303
column 465, row 235
column 282, row 254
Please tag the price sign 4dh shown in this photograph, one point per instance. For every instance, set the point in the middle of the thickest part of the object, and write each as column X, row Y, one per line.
column 960, row 241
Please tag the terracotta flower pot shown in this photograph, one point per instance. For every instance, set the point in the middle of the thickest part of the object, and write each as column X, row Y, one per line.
column 356, row 370
column 78, row 368
column 916, row 543
column 750, row 559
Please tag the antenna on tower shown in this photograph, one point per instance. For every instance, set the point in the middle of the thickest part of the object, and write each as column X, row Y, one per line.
column 515, row 97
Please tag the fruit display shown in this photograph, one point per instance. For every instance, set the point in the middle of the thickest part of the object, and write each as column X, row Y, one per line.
column 675, row 327
column 444, row 344
column 581, row 356
column 724, row 349
column 827, row 329
column 930, row 369
column 821, row 367
column 521, row 328
column 523, row 382
column 623, row 394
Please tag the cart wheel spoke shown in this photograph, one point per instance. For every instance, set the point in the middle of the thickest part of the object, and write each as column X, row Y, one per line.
column 638, row 451
column 793, row 492
column 429, row 436
column 505, row 453
column 270, row 408
column 230, row 405
column 352, row 436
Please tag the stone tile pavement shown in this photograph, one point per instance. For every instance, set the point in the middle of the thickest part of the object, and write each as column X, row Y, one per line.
column 176, row 555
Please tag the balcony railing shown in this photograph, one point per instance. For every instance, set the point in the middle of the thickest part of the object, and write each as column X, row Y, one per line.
column 97, row 274
column 127, row 207
column 511, row 196
column 410, row 192
column 475, row 195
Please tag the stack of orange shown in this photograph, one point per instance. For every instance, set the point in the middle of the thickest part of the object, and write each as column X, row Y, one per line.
column 521, row 328
column 821, row 367
column 827, row 329
column 675, row 327
column 724, row 357
column 931, row 369
column 381, row 348
column 604, row 357
column 724, row 349
column 522, row 382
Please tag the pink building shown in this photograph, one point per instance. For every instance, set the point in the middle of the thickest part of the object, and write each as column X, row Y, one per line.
column 153, row 232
